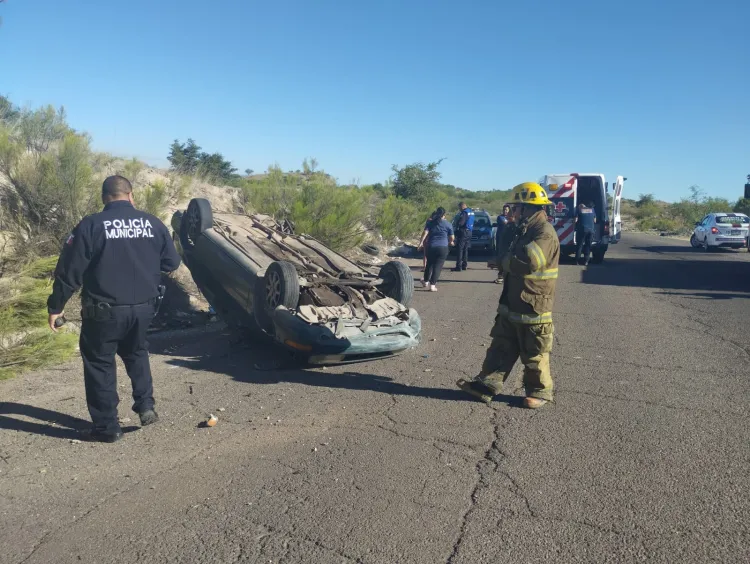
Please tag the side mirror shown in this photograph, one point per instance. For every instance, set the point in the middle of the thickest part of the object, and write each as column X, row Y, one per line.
column 697, row 223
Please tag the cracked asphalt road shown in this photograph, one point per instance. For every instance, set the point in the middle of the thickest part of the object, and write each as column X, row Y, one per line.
column 643, row 457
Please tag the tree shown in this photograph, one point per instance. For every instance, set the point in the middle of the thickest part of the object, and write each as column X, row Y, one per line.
column 742, row 206
column 249, row 172
column 418, row 182
column 645, row 200
column 47, row 179
column 184, row 157
column 187, row 158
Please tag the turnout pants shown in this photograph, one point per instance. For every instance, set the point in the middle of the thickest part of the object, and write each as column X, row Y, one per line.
column 584, row 244
column 532, row 343
column 117, row 330
column 463, row 242
column 435, row 260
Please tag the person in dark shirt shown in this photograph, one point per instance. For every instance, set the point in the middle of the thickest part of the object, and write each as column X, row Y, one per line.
column 464, row 227
column 438, row 237
column 117, row 256
column 585, row 223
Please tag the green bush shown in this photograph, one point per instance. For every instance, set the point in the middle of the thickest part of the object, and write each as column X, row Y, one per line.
column 25, row 341
column 742, row 206
column 395, row 217
column 47, row 180
column 156, row 196
column 333, row 215
column 661, row 224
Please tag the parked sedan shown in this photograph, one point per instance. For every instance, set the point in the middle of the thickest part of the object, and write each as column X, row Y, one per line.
column 729, row 230
column 256, row 273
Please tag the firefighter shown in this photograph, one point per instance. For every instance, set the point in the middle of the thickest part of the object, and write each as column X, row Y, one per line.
column 523, row 325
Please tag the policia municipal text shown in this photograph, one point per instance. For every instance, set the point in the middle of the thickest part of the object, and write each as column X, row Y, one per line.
column 528, row 257
column 117, row 255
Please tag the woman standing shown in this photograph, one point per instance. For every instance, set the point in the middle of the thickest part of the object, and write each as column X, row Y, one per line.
column 439, row 236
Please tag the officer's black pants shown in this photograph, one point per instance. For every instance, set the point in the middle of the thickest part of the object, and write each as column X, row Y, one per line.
column 463, row 242
column 122, row 331
column 584, row 244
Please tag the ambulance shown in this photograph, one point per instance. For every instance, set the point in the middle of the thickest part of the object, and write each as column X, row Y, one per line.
column 567, row 191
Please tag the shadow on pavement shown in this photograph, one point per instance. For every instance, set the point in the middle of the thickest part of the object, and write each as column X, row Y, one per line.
column 70, row 425
column 703, row 276
column 264, row 365
column 687, row 249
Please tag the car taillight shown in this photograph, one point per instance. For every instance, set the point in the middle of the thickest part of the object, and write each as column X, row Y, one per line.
column 606, row 227
column 714, row 230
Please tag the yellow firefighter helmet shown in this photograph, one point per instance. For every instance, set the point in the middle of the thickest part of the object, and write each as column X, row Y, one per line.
column 530, row 193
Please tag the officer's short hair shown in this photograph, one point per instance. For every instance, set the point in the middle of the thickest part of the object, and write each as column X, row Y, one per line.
column 116, row 186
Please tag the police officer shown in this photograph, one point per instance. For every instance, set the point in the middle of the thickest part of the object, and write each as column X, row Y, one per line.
column 585, row 221
column 464, row 227
column 117, row 255
column 523, row 325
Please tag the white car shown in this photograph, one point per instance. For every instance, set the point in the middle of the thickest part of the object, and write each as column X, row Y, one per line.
column 716, row 230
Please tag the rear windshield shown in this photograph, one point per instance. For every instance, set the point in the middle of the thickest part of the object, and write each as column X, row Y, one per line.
column 730, row 219
column 481, row 221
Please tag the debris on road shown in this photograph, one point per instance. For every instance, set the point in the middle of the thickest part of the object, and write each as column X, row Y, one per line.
column 211, row 421
column 75, row 441
column 222, row 409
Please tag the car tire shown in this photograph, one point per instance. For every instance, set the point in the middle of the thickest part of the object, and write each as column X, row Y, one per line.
column 694, row 241
column 371, row 250
column 706, row 246
column 398, row 282
column 597, row 256
column 278, row 287
column 197, row 219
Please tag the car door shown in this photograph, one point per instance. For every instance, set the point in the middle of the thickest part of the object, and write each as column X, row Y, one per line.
column 616, row 203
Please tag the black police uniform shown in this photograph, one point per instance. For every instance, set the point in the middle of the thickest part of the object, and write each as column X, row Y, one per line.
column 463, row 239
column 117, row 255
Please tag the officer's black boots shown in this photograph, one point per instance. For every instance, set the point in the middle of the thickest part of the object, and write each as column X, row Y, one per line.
column 148, row 417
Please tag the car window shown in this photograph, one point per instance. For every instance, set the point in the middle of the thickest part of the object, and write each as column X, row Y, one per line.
column 731, row 219
column 481, row 221
column 706, row 220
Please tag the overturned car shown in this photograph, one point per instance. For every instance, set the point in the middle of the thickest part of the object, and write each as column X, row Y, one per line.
column 256, row 273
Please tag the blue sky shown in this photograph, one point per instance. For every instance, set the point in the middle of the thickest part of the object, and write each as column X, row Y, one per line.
column 505, row 91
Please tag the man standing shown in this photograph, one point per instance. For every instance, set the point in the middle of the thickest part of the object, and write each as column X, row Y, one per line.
column 117, row 255
column 585, row 221
column 523, row 325
column 464, row 226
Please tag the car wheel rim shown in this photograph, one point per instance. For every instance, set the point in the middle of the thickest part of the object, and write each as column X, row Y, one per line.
column 273, row 290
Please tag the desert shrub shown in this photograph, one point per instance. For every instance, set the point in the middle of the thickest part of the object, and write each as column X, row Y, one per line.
column 156, row 197
column 395, row 217
column 661, row 224
column 333, row 215
column 47, row 180
column 25, row 341
column 742, row 206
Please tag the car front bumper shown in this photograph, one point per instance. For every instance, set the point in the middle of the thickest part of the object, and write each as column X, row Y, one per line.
column 322, row 346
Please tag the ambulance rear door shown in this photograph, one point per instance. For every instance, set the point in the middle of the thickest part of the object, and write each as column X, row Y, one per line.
column 561, row 189
column 616, row 230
